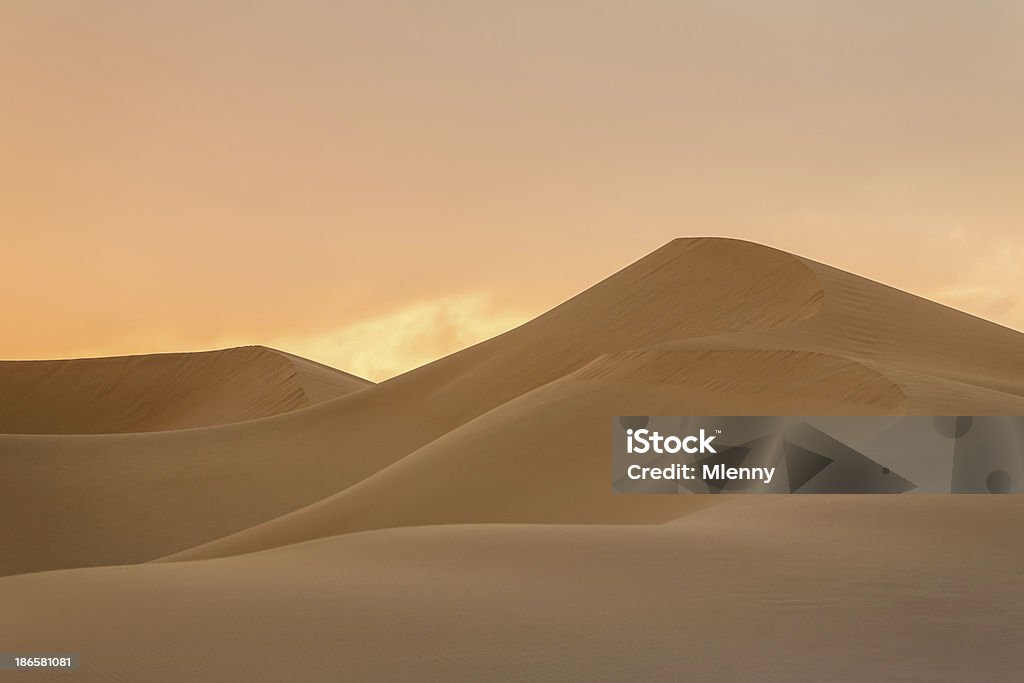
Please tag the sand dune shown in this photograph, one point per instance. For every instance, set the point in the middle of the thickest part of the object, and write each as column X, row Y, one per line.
column 921, row 588
column 832, row 343
column 491, row 434
column 161, row 391
column 457, row 521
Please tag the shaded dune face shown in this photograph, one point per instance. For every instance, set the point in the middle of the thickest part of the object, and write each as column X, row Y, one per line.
column 514, row 429
column 162, row 391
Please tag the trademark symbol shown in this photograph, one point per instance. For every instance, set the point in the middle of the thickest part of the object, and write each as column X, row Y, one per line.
column 718, row 431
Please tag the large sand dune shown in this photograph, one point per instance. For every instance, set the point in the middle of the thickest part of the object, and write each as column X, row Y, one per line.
column 657, row 339
column 510, row 437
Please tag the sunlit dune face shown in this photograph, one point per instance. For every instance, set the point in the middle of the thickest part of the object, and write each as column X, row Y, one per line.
column 377, row 186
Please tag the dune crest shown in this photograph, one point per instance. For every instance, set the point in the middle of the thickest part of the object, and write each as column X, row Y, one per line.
column 159, row 392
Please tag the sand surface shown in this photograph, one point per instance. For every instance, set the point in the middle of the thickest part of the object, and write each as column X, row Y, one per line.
column 457, row 523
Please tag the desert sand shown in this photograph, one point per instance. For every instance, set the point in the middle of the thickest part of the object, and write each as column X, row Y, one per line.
column 248, row 515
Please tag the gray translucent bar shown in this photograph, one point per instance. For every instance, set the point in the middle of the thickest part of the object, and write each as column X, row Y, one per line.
column 817, row 454
column 36, row 662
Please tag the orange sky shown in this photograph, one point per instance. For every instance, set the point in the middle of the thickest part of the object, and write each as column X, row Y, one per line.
column 376, row 184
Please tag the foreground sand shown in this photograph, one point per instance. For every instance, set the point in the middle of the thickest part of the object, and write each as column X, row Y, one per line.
column 923, row 588
column 457, row 521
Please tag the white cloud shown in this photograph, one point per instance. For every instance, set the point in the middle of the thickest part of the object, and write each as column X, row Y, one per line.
column 385, row 346
column 990, row 282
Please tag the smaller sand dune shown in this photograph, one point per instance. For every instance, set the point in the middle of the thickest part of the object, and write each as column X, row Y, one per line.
column 161, row 391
